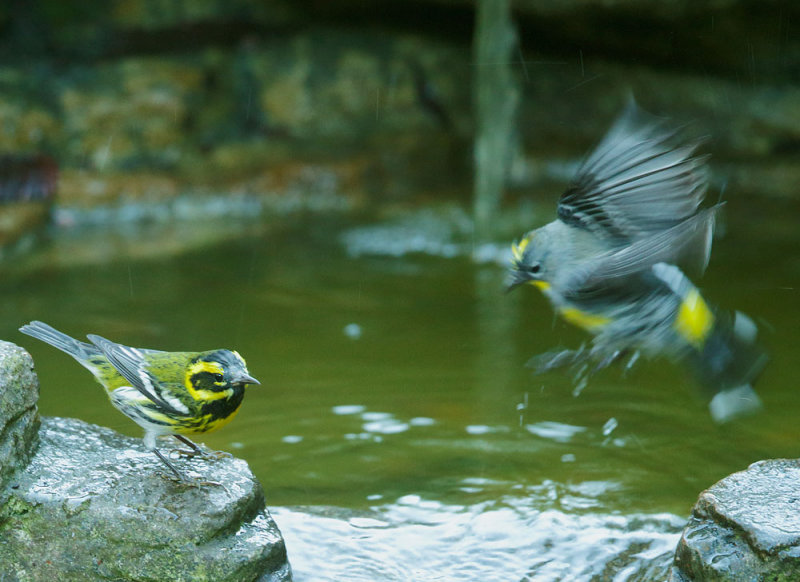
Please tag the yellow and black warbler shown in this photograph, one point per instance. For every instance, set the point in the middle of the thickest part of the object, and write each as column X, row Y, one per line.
column 611, row 263
column 166, row 393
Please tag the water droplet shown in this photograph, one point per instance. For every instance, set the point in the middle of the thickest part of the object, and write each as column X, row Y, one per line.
column 609, row 426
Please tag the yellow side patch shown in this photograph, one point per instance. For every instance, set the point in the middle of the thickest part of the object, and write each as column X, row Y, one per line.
column 208, row 424
column 694, row 320
column 587, row 321
column 217, row 424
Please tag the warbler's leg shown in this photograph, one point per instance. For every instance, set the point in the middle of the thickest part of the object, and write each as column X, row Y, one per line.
column 183, row 480
column 632, row 361
column 195, row 450
column 580, row 380
column 172, row 468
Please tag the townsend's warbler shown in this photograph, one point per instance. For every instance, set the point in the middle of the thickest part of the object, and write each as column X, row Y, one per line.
column 166, row 393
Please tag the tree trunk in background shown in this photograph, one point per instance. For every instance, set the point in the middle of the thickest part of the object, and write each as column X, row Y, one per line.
column 496, row 98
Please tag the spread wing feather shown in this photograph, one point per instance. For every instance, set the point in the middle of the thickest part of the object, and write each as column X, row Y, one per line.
column 687, row 243
column 637, row 181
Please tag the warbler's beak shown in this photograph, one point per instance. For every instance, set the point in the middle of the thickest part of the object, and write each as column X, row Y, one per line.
column 516, row 279
column 246, row 379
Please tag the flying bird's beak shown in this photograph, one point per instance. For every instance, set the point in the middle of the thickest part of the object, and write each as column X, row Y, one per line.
column 516, row 278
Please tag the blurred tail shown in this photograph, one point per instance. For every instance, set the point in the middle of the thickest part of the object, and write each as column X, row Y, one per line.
column 79, row 350
column 722, row 348
column 728, row 364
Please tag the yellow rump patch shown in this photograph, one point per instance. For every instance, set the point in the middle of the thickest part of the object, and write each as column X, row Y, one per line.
column 694, row 320
column 587, row 321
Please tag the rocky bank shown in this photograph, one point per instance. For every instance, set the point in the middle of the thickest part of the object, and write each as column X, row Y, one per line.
column 79, row 502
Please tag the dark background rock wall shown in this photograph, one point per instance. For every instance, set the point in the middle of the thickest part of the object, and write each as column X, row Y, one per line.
column 149, row 99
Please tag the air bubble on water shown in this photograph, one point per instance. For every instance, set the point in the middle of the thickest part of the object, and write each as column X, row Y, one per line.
column 371, row 416
column 352, row 331
column 477, row 429
column 344, row 409
column 387, row 426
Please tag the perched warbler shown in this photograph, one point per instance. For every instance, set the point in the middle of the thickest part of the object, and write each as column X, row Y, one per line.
column 166, row 393
column 628, row 223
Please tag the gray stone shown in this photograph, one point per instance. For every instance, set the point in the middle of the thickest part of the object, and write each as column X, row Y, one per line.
column 96, row 505
column 745, row 527
column 19, row 417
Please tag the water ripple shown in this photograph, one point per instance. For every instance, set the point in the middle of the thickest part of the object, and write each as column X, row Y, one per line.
column 424, row 540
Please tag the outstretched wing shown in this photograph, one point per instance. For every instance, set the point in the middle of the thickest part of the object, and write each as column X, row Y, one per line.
column 130, row 363
column 687, row 244
column 640, row 179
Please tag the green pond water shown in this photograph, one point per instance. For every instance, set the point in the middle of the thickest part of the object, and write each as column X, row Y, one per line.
column 396, row 432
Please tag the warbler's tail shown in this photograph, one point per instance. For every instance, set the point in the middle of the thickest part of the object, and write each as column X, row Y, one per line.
column 79, row 350
column 729, row 363
column 721, row 347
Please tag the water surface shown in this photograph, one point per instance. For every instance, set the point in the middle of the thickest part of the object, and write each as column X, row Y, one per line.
column 397, row 433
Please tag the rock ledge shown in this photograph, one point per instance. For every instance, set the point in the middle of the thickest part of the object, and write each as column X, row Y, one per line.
column 82, row 502
column 745, row 527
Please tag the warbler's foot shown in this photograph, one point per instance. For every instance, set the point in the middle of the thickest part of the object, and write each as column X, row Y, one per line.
column 196, row 451
column 556, row 359
column 176, row 475
column 608, row 360
column 190, row 454
column 192, row 451
column 186, row 482
column 198, row 483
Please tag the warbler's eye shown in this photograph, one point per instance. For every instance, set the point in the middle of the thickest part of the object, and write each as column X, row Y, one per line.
column 534, row 268
column 218, row 377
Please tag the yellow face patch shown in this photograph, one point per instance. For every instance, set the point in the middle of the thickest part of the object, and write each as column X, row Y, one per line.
column 694, row 320
column 541, row 285
column 583, row 319
column 209, row 395
column 201, row 366
column 518, row 249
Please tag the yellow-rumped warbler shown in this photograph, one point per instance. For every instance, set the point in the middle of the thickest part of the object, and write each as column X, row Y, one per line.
column 611, row 264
